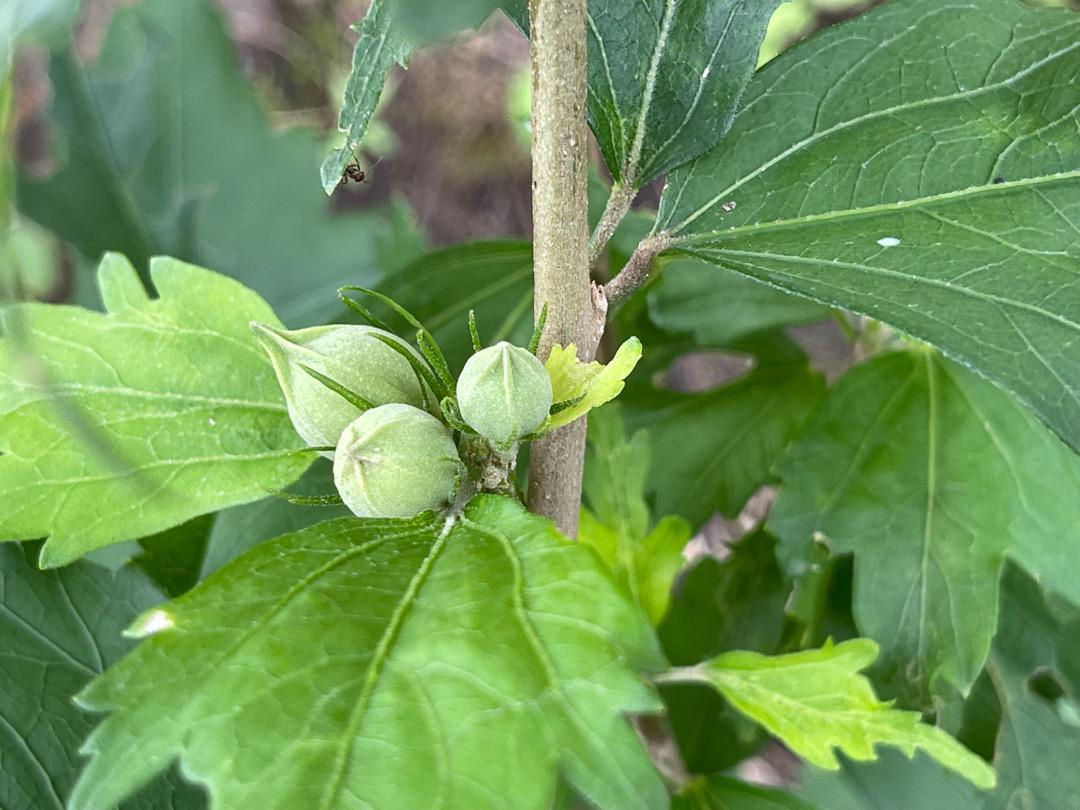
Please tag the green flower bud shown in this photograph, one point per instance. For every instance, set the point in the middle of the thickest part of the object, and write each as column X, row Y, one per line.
column 396, row 461
column 348, row 354
column 504, row 392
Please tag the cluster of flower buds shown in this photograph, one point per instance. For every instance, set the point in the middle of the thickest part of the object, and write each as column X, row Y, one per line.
column 393, row 420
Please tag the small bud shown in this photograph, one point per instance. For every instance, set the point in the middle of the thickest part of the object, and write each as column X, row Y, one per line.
column 351, row 356
column 504, row 393
column 396, row 461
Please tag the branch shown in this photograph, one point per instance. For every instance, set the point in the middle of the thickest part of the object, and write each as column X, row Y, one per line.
column 617, row 205
column 637, row 271
column 561, row 236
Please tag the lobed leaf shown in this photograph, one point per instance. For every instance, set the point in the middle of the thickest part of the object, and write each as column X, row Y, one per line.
column 737, row 604
column 388, row 663
column 919, row 165
column 1038, row 741
column 815, row 701
column 121, row 424
column 665, row 77
column 58, row 630
column 720, row 445
column 928, row 555
column 891, row 782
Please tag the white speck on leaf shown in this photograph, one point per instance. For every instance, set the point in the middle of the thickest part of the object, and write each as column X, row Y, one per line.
column 705, row 73
column 211, row 421
column 150, row 623
column 729, row 206
column 888, row 241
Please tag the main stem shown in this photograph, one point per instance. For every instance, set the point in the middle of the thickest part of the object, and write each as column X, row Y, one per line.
column 560, row 236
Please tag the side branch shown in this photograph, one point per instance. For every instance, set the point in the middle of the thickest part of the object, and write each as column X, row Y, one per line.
column 617, row 205
column 637, row 271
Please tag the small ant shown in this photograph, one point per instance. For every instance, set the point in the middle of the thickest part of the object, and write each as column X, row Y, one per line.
column 355, row 173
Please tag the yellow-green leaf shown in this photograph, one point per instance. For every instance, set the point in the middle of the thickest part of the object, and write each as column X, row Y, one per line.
column 815, row 701
column 118, row 425
column 586, row 385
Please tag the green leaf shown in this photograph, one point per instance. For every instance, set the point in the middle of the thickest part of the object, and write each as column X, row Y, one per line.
column 893, row 782
column 586, row 385
column 724, row 793
column 123, row 424
column 427, row 20
column 173, row 559
column 616, row 469
column 383, row 43
column 717, row 607
column 720, row 307
column 928, row 541
column 163, row 149
column 1039, row 740
column 665, row 77
column 815, row 701
column 919, row 165
column 720, row 445
column 644, row 557
column 733, row 604
column 59, row 629
column 483, row 653
column 494, row 278
column 239, row 528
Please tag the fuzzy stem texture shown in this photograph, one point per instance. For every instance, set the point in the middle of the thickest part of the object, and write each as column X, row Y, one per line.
column 561, row 237
column 637, row 271
column 617, row 206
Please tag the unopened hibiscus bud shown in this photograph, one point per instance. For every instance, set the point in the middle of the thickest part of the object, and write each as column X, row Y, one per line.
column 350, row 355
column 504, row 393
column 396, row 461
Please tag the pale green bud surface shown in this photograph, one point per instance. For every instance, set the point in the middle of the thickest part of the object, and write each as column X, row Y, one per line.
column 396, row 461
column 504, row 392
column 352, row 356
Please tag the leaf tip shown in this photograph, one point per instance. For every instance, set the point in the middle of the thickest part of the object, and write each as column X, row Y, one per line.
column 53, row 555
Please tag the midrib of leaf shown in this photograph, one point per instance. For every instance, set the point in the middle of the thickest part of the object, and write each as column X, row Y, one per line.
column 84, row 628
column 610, row 81
column 375, row 668
column 52, row 645
column 701, row 82
column 84, row 101
column 722, row 453
column 879, row 208
column 884, row 271
column 521, row 614
column 853, row 122
column 883, row 415
column 464, row 304
column 51, row 390
column 512, row 317
column 210, row 665
column 154, row 465
column 647, row 94
column 46, row 778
